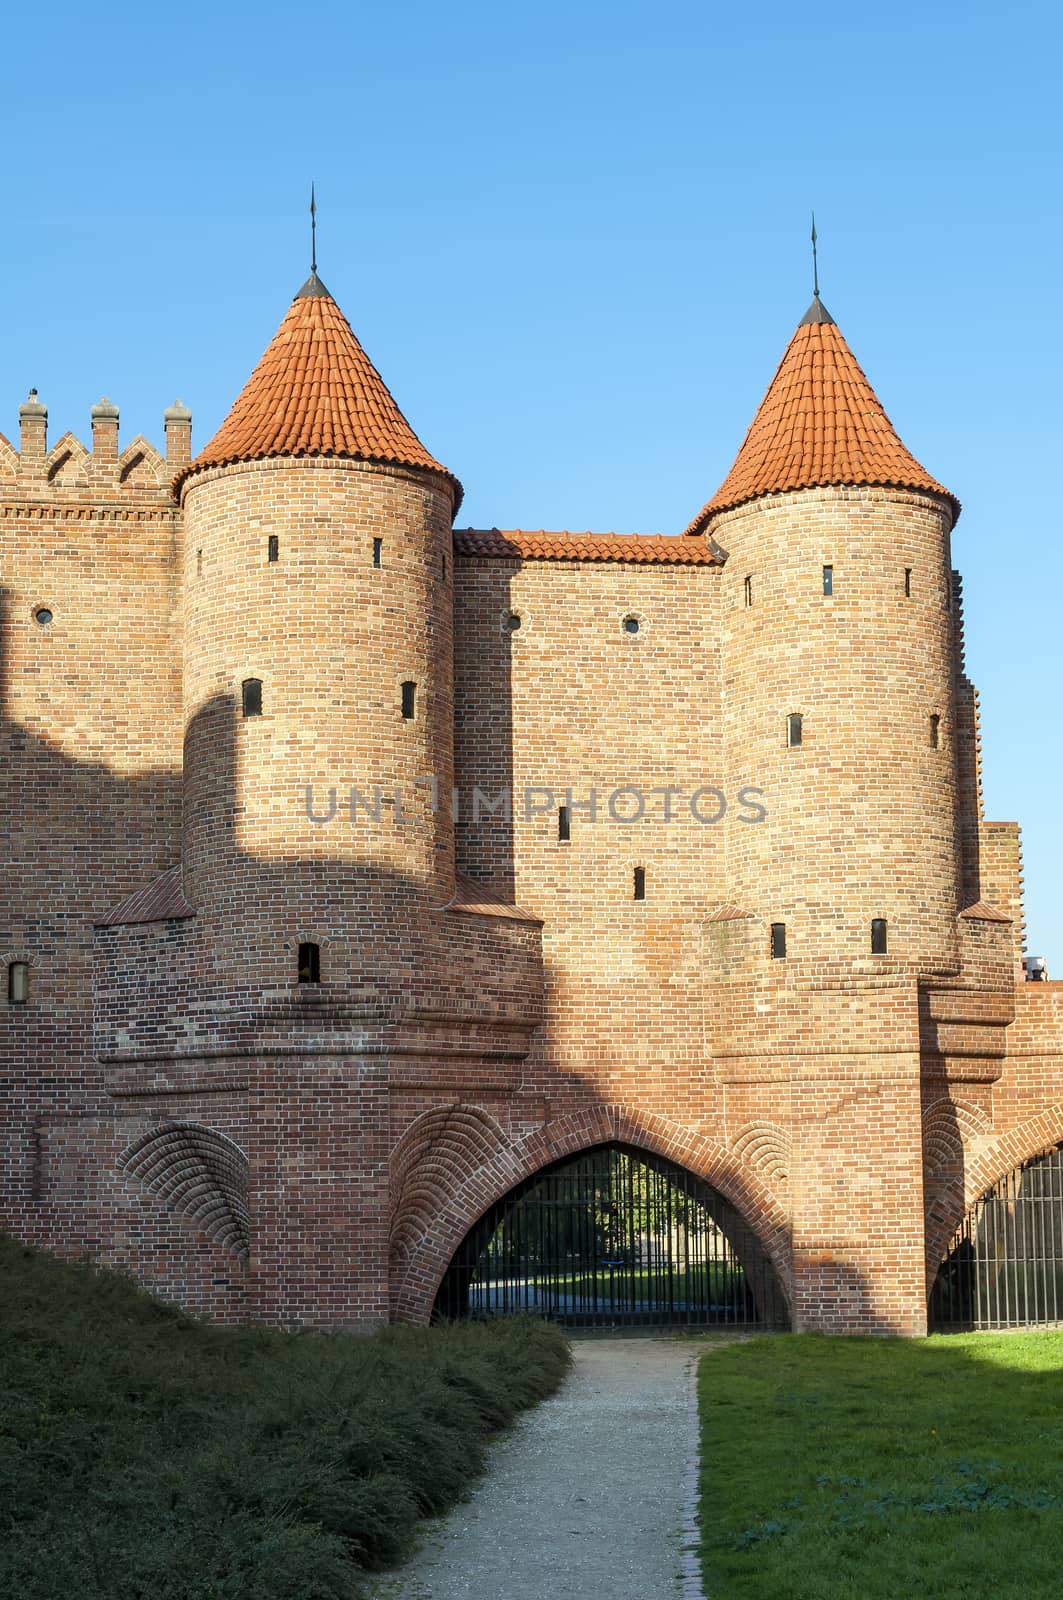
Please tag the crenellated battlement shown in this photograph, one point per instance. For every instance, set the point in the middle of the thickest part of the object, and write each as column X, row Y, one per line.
column 70, row 470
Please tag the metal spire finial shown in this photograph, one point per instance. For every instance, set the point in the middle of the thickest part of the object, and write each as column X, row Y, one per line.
column 313, row 230
column 815, row 262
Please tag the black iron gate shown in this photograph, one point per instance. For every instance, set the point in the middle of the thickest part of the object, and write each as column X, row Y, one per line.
column 614, row 1237
column 1004, row 1268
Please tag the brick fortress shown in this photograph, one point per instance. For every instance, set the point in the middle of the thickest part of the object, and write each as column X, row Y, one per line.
column 357, row 867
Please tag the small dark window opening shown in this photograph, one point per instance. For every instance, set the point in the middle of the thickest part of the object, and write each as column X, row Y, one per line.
column 199, row 563
column 748, row 587
column 907, row 583
column 273, row 548
column 640, row 883
column 409, row 694
column 935, row 731
column 828, row 580
column 378, row 545
column 948, row 593
column 42, row 617
column 563, row 828
column 778, row 941
column 513, row 622
column 631, row 624
column 794, row 728
column 444, row 564
column 309, row 963
column 18, row 974
column 878, row 936
column 251, row 693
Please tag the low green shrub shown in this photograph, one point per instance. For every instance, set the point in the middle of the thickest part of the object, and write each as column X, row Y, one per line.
column 145, row 1453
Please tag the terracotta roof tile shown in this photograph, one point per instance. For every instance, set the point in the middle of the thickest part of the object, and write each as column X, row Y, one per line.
column 315, row 392
column 161, row 901
column 542, row 546
column 820, row 423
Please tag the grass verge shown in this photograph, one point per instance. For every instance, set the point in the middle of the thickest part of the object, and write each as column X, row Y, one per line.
column 145, row 1453
column 854, row 1469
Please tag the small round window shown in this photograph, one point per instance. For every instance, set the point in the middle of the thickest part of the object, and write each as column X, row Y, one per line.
column 43, row 616
column 631, row 624
column 512, row 622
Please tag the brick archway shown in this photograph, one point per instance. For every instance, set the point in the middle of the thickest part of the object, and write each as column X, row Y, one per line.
column 424, row 1260
column 1031, row 1138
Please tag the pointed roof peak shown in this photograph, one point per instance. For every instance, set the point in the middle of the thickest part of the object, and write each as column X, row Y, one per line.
column 315, row 392
column 817, row 312
column 313, row 287
column 819, row 424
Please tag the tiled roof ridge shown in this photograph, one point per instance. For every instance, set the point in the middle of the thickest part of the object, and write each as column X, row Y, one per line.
column 315, row 392
column 546, row 545
column 819, row 425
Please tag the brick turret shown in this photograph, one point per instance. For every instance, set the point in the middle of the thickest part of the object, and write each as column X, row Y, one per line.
column 839, row 614
column 317, row 537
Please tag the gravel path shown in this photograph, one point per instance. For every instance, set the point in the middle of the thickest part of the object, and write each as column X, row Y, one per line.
column 591, row 1494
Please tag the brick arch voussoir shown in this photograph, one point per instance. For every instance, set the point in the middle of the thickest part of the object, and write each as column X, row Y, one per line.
column 1034, row 1137
column 423, row 1260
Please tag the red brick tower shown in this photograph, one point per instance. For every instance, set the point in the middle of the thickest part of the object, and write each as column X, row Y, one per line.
column 317, row 655
column 839, row 655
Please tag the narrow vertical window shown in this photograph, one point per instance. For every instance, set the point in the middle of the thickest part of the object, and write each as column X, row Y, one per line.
column 18, row 982
column 444, row 563
column 935, row 731
column 794, row 728
column 199, row 563
column 309, row 970
column 828, row 580
column 273, row 548
column 378, row 545
column 409, row 696
column 878, row 936
column 907, row 583
column 563, row 832
column 748, row 587
column 640, row 883
column 251, row 697
column 778, row 941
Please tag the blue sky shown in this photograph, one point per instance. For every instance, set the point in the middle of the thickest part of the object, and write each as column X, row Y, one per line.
column 574, row 240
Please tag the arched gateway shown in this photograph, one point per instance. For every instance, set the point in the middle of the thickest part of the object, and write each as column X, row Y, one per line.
column 614, row 1236
column 1004, row 1268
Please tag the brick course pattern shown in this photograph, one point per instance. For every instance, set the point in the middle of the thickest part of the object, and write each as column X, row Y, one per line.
column 493, row 995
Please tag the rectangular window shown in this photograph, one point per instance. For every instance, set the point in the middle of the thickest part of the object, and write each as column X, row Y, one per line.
column 562, row 824
column 273, row 548
column 409, row 694
column 878, row 936
column 251, row 697
column 907, row 583
column 935, row 731
column 17, row 983
column 309, row 963
column 640, row 883
column 748, row 586
column 828, row 580
column 378, row 545
column 794, row 728
column 778, row 941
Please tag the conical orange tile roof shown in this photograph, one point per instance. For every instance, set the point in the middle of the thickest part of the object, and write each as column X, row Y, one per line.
column 820, row 423
column 315, row 392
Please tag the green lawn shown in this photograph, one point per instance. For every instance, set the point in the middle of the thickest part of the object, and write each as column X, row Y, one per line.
column 145, row 1454
column 854, row 1469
